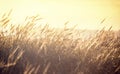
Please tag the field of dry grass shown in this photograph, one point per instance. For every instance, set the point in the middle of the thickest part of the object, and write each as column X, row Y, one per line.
column 31, row 49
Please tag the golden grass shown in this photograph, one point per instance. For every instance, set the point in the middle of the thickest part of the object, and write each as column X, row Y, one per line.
column 33, row 49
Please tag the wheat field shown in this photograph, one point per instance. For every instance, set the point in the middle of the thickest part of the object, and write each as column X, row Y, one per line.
column 31, row 49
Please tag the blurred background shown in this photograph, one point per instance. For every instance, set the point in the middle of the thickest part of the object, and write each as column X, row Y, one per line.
column 88, row 14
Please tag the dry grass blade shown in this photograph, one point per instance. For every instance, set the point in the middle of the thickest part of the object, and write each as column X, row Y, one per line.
column 117, row 69
column 12, row 54
column 37, row 69
column 46, row 68
column 103, row 21
column 28, row 68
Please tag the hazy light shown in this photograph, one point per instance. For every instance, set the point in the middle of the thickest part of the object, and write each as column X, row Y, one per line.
column 86, row 13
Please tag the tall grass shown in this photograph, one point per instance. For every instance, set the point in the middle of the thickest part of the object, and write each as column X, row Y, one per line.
column 31, row 49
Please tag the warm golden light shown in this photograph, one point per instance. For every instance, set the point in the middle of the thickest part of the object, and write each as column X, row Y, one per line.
column 88, row 14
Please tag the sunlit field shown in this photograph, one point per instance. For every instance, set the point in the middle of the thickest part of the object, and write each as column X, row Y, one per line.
column 29, row 48
column 59, row 36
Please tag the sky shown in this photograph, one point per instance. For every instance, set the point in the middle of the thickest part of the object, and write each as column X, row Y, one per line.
column 88, row 14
